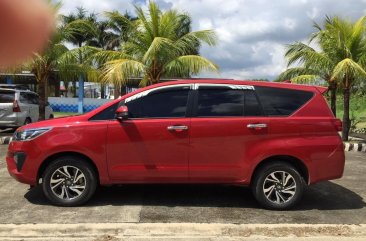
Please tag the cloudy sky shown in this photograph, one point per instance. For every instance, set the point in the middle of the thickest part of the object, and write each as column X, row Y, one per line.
column 252, row 33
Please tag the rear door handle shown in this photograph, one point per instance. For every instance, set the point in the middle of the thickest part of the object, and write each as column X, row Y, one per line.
column 177, row 128
column 256, row 126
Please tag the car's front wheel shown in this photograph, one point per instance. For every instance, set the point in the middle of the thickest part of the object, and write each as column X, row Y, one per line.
column 69, row 181
column 278, row 186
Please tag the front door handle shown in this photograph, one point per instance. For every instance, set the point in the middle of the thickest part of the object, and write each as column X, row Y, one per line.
column 257, row 126
column 177, row 128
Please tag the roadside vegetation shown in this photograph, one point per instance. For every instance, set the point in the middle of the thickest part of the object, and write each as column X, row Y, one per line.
column 357, row 112
column 338, row 59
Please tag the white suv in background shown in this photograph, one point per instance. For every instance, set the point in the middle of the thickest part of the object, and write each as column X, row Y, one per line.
column 20, row 107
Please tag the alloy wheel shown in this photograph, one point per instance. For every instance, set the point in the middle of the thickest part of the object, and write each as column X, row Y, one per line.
column 279, row 187
column 68, row 182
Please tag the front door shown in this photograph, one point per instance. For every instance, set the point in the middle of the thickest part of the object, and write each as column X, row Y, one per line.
column 152, row 144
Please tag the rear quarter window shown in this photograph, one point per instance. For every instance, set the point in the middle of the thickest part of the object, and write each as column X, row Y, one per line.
column 282, row 102
column 7, row 96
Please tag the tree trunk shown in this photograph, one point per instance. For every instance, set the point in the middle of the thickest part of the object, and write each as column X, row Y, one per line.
column 57, row 88
column 42, row 85
column 74, row 89
column 117, row 92
column 102, row 91
column 333, row 97
column 346, row 120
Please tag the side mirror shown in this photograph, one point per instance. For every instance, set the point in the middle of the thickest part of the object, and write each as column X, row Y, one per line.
column 122, row 113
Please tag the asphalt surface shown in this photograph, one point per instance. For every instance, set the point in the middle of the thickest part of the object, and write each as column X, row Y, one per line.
column 340, row 201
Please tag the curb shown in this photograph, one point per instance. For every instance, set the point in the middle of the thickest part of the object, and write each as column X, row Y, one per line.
column 356, row 147
column 169, row 231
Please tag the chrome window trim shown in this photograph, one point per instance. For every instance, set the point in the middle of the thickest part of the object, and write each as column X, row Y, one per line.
column 234, row 87
column 146, row 92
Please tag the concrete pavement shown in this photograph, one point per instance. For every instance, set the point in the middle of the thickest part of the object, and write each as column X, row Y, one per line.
column 179, row 231
column 337, row 205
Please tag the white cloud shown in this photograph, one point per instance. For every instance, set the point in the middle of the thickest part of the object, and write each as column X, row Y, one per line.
column 252, row 33
column 97, row 6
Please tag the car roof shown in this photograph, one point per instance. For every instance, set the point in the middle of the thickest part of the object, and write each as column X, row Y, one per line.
column 286, row 85
column 14, row 86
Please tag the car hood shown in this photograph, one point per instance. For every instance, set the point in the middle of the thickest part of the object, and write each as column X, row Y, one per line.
column 57, row 122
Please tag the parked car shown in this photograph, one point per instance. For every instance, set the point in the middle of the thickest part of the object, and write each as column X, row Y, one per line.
column 274, row 137
column 19, row 107
column 14, row 86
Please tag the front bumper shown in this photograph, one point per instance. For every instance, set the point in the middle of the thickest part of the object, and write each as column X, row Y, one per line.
column 21, row 163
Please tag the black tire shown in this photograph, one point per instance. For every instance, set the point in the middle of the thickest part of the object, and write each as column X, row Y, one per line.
column 51, row 116
column 27, row 121
column 278, row 195
column 68, row 197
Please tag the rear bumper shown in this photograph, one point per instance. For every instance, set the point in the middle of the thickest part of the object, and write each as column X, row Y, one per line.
column 329, row 167
column 9, row 124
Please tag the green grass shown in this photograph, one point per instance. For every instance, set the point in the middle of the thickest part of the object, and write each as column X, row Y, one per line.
column 62, row 114
column 357, row 109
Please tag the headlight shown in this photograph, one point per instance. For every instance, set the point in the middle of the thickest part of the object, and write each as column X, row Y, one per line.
column 29, row 134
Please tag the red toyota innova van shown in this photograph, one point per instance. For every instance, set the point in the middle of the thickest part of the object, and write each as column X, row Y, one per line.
column 274, row 137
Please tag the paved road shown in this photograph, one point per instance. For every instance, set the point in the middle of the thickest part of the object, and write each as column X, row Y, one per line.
column 336, row 202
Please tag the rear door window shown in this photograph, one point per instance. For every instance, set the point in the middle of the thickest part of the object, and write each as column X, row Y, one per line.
column 281, row 102
column 7, row 96
column 219, row 101
column 251, row 104
column 34, row 99
column 24, row 98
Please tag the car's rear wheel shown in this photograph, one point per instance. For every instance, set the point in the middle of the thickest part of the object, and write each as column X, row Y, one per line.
column 27, row 121
column 278, row 186
column 69, row 181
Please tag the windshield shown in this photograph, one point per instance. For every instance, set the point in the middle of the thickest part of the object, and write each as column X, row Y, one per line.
column 7, row 96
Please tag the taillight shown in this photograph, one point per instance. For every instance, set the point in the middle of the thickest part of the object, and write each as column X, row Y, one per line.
column 16, row 107
column 338, row 124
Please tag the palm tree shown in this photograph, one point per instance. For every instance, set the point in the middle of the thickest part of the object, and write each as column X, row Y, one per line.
column 313, row 66
column 346, row 41
column 83, row 35
column 123, row 27
column 105, row 39
column 158, row 49
column 340, row 61
column 53, row 60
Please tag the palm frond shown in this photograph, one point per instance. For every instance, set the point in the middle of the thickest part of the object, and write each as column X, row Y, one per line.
column 306, row 79
column 291, row 73
column 347, row 71
column 157, row 46
column 120, row 70
column 192, row 64
column 189, row 41
column 104, row 56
